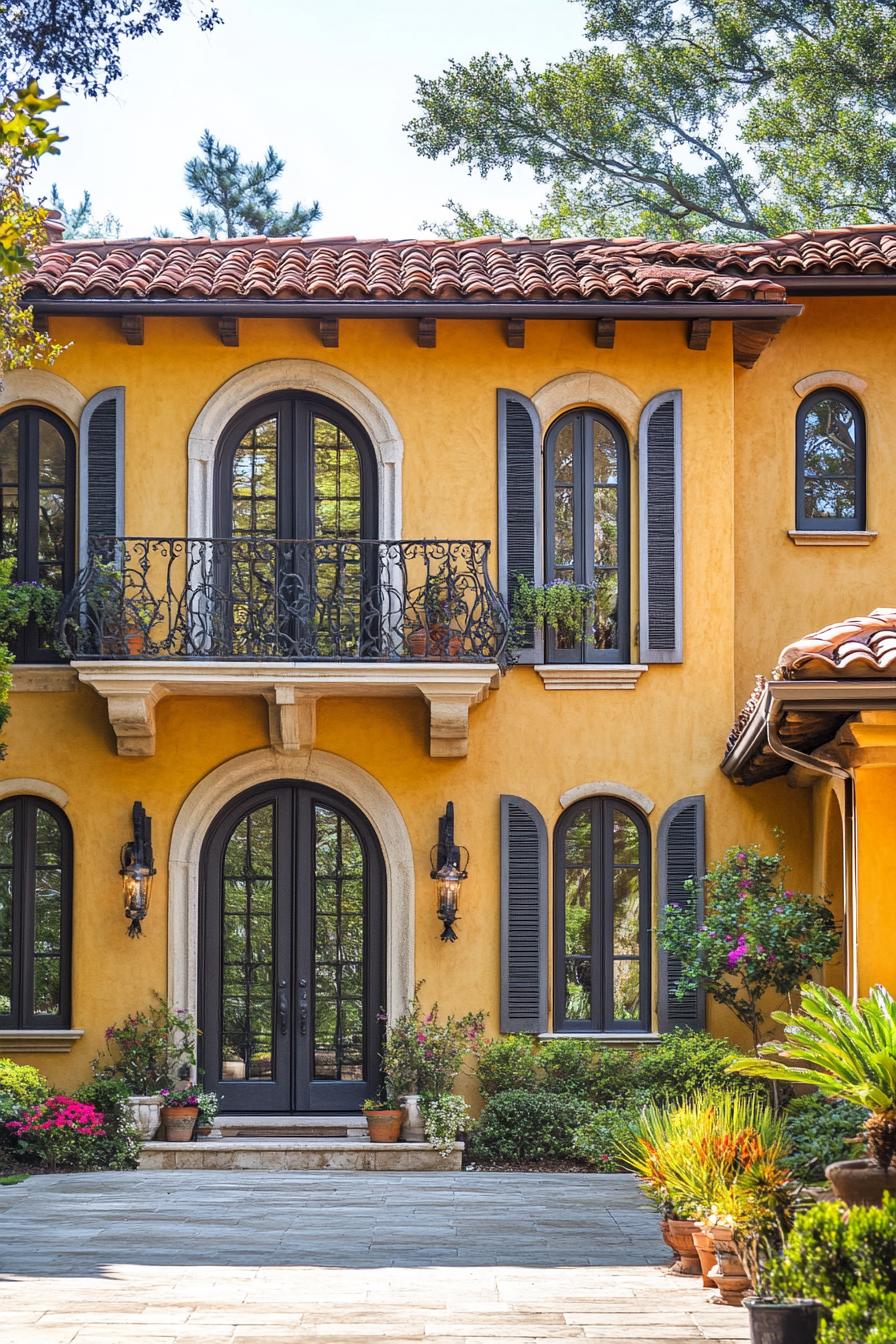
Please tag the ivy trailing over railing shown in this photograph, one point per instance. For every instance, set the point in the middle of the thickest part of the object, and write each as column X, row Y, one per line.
column 566, row 608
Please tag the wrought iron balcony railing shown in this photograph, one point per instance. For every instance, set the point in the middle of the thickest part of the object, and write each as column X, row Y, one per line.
column 254, row 598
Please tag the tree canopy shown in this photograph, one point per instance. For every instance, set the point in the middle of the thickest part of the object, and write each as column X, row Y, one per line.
column 239, row 198
column 76, row 43
column 79, row 221
column 682, row 118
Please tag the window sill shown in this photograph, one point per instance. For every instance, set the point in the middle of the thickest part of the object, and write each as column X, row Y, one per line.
column 590, row 676
column 832, row 538
column 38, row 1040
column 605, row 1037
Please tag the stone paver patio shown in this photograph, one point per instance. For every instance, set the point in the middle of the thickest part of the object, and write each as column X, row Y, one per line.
column 201, row 1257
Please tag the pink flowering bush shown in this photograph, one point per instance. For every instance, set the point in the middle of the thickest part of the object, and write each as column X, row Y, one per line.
column 59, row 1132
column 757, row 936
column 422, row 1054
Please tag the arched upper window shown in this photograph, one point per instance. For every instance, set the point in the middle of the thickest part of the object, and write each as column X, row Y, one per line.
column 37, row 506
column 602, row 918
column 295, row 467
column 35, row 914
column 830, row 463
column 587, row 532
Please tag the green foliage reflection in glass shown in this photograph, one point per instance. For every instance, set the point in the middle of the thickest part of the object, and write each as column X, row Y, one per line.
column 581, row 900
column 590, row 613
column 248, row 933
column 46, row 893
column 339, row 879
column 829, row 458
column 259, row 590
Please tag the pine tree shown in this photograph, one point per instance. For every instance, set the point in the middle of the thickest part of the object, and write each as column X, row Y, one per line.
column 239, row 198
column 79, row 220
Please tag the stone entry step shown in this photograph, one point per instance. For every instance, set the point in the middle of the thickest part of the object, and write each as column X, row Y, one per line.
column 352, row 1126
column 296, row 1154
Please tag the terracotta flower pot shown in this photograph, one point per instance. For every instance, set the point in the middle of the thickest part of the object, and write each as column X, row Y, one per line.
column 681, row 1239
column 178, row 1122
column 384, row 1126
column 728, row 1273
column 664, row 1233
column 136, row 642
column 436, row 642
column 706, row 1254
column 861, row 1181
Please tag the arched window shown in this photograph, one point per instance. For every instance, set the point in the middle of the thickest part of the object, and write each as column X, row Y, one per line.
column 295, row 467
column 35, row 914
column 602, row 918
column 587, row 532
column 830, row 463
column 37, row 513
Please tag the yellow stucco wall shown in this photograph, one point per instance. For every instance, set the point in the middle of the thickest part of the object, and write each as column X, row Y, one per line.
column 747, row 590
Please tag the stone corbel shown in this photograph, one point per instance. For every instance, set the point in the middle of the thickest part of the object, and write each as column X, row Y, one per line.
column 449, row 714
column 292, row 719
column 132, row 714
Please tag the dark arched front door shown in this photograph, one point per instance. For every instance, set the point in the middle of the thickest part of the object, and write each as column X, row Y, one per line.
column 293, row 926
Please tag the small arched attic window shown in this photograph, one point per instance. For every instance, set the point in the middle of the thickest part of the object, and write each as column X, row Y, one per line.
column 830, row 463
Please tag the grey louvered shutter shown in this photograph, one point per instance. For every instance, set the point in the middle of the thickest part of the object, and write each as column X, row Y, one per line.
column 524, row 917
column 102, row 467
column 520, row 508
column 659, row 479
column 681, row 856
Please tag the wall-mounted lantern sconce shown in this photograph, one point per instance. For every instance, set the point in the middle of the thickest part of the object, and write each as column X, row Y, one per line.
column 137, row 871
column 449, row 869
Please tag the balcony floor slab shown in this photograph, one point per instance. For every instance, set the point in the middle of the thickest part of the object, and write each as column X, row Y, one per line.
column 133, row 687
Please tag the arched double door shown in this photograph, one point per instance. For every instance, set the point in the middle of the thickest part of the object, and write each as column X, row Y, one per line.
column 292, row 937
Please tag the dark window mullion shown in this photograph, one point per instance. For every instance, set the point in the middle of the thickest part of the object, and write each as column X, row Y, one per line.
column 597, row 931
column 27, row 835
column 19, row 943
column 607, row 807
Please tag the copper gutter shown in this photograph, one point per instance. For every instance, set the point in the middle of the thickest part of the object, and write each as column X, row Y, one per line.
column 644, row 311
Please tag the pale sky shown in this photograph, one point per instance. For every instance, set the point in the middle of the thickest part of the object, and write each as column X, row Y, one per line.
column 328, row 82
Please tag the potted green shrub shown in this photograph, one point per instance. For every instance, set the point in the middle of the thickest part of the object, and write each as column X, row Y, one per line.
column 422, row 1058
column 207, row 1104
column 846, row 1051
column 565, row 607
column 149, row 1050
column 384, row 1118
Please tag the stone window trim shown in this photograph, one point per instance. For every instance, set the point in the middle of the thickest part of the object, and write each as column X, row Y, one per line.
column 293, row 375
column 38, row 1040
column 212, row 793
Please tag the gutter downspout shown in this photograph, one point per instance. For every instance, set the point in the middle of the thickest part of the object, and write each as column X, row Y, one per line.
column 849, row 838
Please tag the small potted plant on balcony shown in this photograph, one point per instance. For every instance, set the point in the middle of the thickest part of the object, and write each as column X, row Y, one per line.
column 384, row 1117
column 436, row 635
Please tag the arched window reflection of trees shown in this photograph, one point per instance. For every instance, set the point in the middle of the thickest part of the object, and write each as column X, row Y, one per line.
column 602, row 918
column 830, row 452
column 587, row 530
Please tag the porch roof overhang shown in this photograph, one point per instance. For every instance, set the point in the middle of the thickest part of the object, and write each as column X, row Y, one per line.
column 804, row 716
column 132, row 690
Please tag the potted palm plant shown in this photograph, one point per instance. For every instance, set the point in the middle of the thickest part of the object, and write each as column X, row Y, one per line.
column 847, row 1051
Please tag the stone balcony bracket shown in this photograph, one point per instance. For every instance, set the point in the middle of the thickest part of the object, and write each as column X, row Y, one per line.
column 132, row 689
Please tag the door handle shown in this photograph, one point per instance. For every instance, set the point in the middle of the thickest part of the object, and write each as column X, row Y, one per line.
column 303, row 1007
column 283, row 1008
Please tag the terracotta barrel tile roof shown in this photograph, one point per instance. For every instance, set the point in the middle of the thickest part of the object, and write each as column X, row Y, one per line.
column 860, row 647
column 476, row 270
column 479, row 271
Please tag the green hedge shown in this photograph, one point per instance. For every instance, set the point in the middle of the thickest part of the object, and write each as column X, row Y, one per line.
column 524, row 1126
